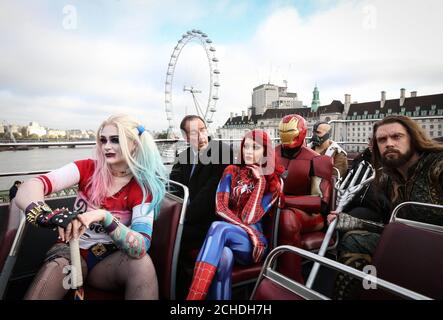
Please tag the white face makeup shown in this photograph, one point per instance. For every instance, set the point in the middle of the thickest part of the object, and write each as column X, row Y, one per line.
column 110, row 146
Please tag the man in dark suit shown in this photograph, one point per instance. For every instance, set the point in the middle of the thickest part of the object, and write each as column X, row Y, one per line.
column 200, row 168
column 14, row 189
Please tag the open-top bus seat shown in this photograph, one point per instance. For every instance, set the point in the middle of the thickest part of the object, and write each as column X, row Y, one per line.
column 10, row 243
column 273, row 285
column 436, row 208
column 166, row 237
column 27, row 250
column 9, row 230
column 410, row 256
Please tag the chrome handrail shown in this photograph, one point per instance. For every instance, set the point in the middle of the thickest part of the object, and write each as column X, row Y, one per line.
column 414, row 223
column 309, row 293
column 23, row 173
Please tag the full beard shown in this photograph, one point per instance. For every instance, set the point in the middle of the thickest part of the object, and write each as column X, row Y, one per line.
column 397, row 162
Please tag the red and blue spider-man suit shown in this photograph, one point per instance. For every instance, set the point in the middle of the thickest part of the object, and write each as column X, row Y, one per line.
column 241, row 201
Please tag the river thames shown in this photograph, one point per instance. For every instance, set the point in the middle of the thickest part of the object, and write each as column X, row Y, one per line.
column 39, row 159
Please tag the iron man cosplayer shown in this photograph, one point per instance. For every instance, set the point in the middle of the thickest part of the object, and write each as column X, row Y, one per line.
column 307, row 193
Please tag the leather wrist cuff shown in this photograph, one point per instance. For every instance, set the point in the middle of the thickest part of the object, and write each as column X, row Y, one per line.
column 36, row 213
column 40, row 214
column 62, row 217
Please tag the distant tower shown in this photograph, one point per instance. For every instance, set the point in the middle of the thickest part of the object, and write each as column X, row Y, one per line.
column 315, row 99
column 285, row 82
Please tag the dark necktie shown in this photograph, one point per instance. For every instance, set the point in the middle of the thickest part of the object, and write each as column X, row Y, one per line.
column 194, row 164
column 192, row 170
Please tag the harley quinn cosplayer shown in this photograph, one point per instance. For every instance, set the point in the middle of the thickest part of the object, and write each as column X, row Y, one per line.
column 119, row 195
column 245, row 194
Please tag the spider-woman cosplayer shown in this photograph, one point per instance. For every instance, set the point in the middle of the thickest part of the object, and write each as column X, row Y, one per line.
column 119, row 195
column 245, row 193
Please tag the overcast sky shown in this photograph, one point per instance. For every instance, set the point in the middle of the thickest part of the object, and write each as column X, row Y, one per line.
column 71, row 64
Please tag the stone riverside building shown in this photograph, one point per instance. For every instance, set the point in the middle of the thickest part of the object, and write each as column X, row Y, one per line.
column 357, row 119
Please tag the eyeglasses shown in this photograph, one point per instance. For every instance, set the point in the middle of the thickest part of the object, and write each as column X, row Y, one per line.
column 113, row 140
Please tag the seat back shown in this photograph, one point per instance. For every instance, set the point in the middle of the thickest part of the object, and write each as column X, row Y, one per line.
column 11, row 224
column 10, row 243
column 271, row 220
column 166, row 236
column 410, row 257
column 28, row 249
column 427, row 221
column 273, row 290
column 272, row 285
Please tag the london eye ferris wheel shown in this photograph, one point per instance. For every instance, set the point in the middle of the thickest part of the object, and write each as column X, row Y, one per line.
column 205, row 111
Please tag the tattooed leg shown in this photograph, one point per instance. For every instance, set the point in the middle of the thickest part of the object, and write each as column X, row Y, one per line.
column 136, row 276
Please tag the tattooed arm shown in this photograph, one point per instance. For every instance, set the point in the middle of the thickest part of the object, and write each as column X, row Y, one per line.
column 134, row 240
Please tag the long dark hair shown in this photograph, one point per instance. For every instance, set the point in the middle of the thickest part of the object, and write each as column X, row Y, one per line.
column 271, row 170
column 420, row 141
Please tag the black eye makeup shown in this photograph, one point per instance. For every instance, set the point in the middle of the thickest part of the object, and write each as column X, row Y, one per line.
column 112, row 139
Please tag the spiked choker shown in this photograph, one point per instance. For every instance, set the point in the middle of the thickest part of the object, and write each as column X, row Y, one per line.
column 119, row 173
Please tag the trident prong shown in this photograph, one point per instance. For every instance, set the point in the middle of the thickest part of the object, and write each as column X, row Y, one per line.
column 344, row 196
column 355, row 177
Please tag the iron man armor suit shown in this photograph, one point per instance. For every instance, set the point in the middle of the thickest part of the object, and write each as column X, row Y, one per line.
column 307, row 193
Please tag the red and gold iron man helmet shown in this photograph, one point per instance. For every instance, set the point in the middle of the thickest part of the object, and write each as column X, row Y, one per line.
column 292, row 129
